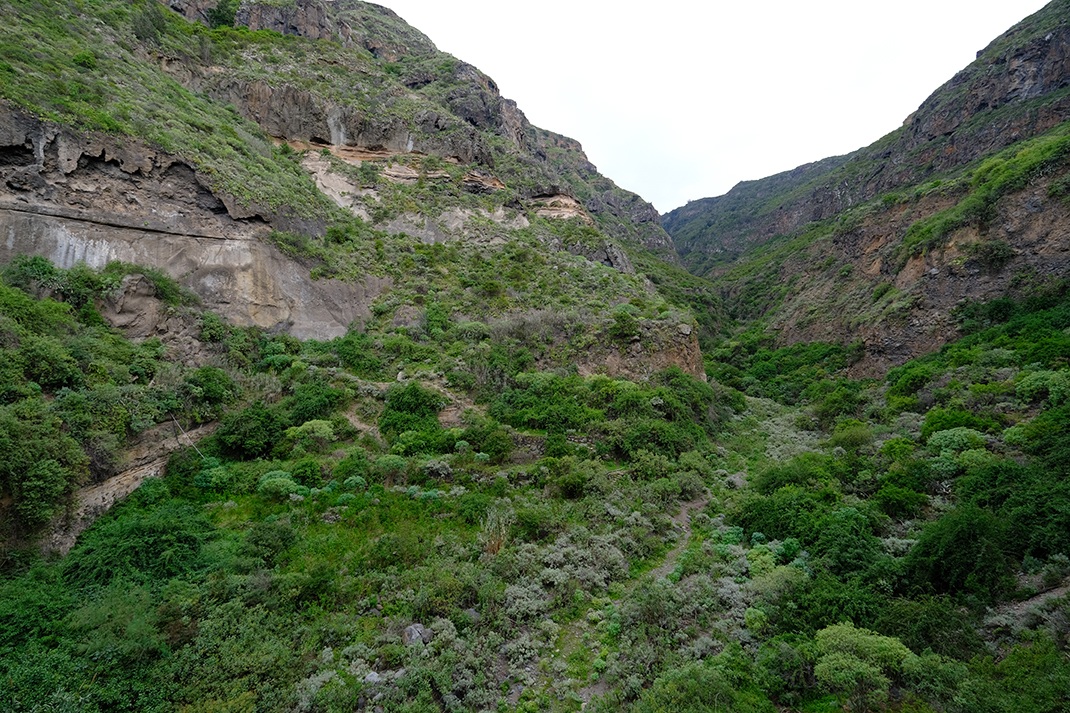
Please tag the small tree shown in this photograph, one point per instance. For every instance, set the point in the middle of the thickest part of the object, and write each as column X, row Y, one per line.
column 858, row 664
column 223, row 14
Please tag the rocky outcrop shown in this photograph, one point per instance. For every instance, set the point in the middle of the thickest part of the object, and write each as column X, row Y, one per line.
column 560, row 207
column 305, row 18
column 94, row 199
column 657, row 346
column 857, row 286
column 619, row 213
column 296, row 114
column 607, row 253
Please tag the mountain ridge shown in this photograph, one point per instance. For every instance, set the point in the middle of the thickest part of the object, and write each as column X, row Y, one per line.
column 873, row 228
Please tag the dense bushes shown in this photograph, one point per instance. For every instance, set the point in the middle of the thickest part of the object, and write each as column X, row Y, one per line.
column 837, row 562
column 962, row 552
column 751, row 364
column 672, row 414
column 252, row 432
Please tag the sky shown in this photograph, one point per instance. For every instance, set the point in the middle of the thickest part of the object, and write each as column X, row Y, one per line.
column 681, row 99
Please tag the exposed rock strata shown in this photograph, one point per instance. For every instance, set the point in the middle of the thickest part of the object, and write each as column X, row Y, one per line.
column 92, row 199
column 146, row 459
column 914, row 315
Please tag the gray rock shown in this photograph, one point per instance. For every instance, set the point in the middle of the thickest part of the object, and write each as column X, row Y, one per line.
column 416, row 633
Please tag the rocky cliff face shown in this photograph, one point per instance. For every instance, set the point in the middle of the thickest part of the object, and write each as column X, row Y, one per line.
column 837, row 263
column 457, row 111
column 858, row 286
column 90, row 198
column 1018, row 87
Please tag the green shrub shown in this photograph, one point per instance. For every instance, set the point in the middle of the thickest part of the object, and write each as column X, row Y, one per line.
column 790, row 511
column 223, row 14
column 858, row 664
column 32, row 274
column 213, row 328
column 845, row 543
column 37, row 493
column 1032, row 677
column 357, row 353
column 1037, row 386
column 206, row 391
column 657, row 436
column 899, row 502
column 545, row 401
column 536, row 523
column 942, row 419
column 962, row 553
column 139, row 545
column 625, row 326
column 956, row 440
column 932, row 623
column 1045, row 438
column 700, row 687
column 354, row 465
column 314, row 399
column 277, row 485
column 252, row 432
column 803, row 470
column 389, row 468
column 906, row 380
column 213, row 475
column 315, row 436
column 47, row 362
column 567, row 478
column 992, row 255
column 410, row 407
column 307, row 472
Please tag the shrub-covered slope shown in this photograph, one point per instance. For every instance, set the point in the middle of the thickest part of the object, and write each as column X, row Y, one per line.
column 509, row 486
column 346, row 163
column 510, row 539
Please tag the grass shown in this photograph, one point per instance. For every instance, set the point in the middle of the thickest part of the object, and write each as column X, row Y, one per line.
column 1008, row 171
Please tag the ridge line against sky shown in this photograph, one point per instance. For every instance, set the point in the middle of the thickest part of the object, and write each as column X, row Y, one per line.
column 679, row 100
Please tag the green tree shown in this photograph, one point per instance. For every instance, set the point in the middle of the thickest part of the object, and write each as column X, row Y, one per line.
column 858, row 664
column 223, row 14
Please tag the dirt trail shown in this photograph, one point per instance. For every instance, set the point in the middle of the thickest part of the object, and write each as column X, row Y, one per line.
column 1020, row 610
column 682, row 519
column 147, row 458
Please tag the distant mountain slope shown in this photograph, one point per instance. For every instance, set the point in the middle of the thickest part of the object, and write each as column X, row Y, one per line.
column 1018, row 87
column 963, row 202
column 399, row 93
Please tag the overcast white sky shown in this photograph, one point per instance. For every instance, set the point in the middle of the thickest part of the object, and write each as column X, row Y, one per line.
column 682, row 99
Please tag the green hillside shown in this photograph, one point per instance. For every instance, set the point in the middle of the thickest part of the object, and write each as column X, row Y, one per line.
column 517, row 484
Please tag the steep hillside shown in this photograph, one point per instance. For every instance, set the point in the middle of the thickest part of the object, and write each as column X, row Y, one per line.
column 287, row 173
column 963, row 202
column 495, row 476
